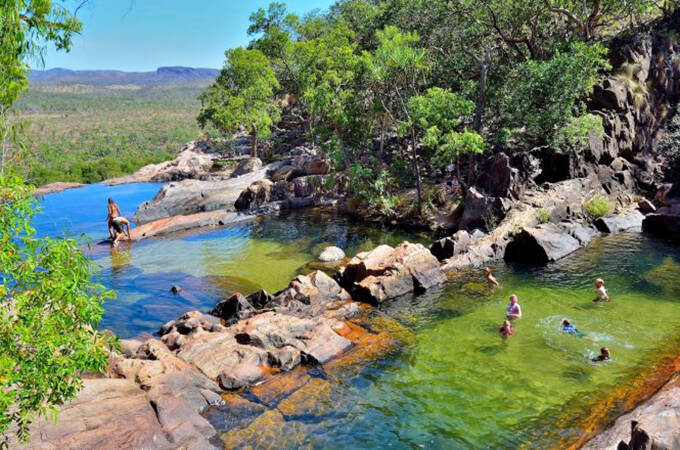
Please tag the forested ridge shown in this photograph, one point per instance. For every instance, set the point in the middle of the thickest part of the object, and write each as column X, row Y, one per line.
column 398, row 90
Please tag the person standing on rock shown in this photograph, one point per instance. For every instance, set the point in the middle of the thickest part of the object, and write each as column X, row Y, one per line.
column 114, row 211
column 119, row 226
column 488, row 276
column 514, row 311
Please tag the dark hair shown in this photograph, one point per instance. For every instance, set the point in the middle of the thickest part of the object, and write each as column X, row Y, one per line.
column 110, row 200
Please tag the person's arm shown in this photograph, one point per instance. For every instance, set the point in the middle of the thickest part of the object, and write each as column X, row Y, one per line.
column 519, row 312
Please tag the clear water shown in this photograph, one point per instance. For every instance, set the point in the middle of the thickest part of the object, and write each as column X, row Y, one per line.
column 454, row 383
column 457, row 384
column 207, row 264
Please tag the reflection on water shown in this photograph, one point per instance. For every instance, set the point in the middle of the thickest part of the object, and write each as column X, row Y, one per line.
column 206, row 264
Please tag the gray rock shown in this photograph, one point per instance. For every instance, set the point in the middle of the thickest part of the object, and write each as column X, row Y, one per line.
column 233, row 309
column 646, row 207
column 246, row 165
column 542, row 244
column 332, row 254
column 621, row 222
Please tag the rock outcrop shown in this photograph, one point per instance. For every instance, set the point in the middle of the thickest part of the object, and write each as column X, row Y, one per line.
column 548, row 242
column 59, row 186
column 653, row 424
column 385, row 272
column 665, row 221
column 192, row 196
column 181, row 223
column 331, row 254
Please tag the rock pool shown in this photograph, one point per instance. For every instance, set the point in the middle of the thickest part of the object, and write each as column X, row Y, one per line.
column 452, row 383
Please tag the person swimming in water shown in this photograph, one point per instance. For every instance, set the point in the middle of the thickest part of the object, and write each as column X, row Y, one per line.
column 601, row 292
column 514, row 311
column 569, row 328
column 488, row 276
column 506, row 329
column 603, row 356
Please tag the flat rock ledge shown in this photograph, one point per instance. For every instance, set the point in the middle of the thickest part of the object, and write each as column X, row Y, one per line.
column 58, row 186
column 182, row 223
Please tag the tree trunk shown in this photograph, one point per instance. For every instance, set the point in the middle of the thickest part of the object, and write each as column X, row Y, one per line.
column 416, row 173
column 253, row 142
column 479, row 111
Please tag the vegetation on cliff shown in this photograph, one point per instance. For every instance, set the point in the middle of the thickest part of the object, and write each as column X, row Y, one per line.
column 396, row 90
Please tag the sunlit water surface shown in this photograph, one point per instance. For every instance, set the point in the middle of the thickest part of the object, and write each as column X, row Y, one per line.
column 454, row 383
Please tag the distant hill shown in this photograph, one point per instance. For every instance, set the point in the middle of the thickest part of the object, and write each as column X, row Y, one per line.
column 161, row 76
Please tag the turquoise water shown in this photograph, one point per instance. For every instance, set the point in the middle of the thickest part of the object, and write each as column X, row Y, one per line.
column 207, row 264
column 453, row 383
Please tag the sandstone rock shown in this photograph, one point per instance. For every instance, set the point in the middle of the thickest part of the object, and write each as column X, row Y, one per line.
column 659, row 417
column 621, row 222
column 233, row 309
column 646, row 207
column 191, row 322
column 58, row 186
column 182, row 223
column 317, row 167
column 331, row 254
column 259, row 298
column 257, row 194
column 246, row 165
column 286, row 173
column 665, row 222
column 108, row 413
column 498, row 178
column 283, row 190
column 542, row 244
column 448, row 247
column 315, row 289
column 191, row 196
column 388, row 272
column 240, row 376
column 482, row 211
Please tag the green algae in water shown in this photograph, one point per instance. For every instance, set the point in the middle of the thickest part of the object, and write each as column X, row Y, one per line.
column 456, row 384
column 665, row 276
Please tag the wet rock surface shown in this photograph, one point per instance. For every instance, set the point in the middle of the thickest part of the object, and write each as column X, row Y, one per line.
column 181, row 223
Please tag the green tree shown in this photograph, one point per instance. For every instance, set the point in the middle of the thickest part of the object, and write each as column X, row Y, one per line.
column 242, row 96
column 438, row 117
column 398, row 70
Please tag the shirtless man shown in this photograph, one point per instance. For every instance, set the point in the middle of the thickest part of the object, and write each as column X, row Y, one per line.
column 114, row 211
column 600, row 291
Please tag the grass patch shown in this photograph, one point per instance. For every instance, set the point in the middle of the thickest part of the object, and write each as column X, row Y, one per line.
column 597, row 207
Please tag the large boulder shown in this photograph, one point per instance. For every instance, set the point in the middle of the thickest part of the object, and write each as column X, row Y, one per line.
column 542, row 244
column 482, row 211
column 665, row 222
column 450, row 246
column 304, row 291
column 317, row 167
column 246, row 165
column 233, row 309
column 498, row 178
column 620, row 222
column 256, row 195
column 387, row 272
column 286, row 173
column 332, row 254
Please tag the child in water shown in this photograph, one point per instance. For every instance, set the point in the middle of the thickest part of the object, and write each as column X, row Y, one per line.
column 506, row 329
column 601, row 291
column 603, row 356
column 569, row 328
column 514, row 311
column 490, row 278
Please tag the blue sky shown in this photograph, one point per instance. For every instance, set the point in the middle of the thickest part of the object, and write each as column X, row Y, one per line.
column 141, row 35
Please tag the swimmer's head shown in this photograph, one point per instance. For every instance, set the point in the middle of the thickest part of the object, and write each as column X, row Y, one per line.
column 599, row 282
column 513, row 299
column 506, row 324
column 604, row 351
column 566, row 322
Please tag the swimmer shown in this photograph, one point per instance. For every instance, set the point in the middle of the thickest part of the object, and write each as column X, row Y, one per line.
column 121, row 228
column 514, row 311
column 603, row 356
column 569, row 328
column 600, row 291
column 490, row 278
column 506, row 329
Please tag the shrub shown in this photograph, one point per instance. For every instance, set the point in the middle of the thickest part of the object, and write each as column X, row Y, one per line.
column 597, row 207
column 542, row 216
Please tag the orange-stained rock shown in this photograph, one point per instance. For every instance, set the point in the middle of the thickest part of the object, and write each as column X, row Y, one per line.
column 277, row 388
column 270, row 430
column 314, row 398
